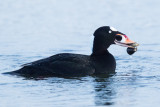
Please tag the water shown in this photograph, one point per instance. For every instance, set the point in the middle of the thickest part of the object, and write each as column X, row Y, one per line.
column 35, row 29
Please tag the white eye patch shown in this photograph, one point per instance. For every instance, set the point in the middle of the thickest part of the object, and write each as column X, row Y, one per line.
column 113, row 29
column 110, row 31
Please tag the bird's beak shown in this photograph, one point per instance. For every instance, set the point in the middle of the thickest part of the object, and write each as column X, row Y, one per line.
column 126, row 42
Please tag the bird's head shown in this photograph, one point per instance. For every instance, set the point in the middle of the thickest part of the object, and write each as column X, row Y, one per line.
column 106, row 36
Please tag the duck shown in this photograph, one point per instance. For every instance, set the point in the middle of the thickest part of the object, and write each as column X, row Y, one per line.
column 99, row 62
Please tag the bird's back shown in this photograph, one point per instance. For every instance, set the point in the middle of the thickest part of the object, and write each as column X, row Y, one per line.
column 59, row 65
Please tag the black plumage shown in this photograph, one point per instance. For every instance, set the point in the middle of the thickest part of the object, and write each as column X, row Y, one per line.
column 66, row 64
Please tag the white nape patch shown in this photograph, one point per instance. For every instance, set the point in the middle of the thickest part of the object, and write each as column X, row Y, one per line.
column 110, row 31
column 113, row 29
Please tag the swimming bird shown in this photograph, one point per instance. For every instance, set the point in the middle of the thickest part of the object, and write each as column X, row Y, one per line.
column 67, row 64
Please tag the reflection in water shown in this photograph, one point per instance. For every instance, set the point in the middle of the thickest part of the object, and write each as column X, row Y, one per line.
column 104, row 92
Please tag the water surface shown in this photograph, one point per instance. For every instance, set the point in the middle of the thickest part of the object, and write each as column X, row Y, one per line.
column 35, row 29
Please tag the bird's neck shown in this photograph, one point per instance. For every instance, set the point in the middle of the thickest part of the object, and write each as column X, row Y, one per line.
column 99, row 49
column 100, row 46
column 99, row 52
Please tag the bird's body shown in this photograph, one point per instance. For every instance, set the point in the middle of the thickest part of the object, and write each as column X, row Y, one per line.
column 66, row 64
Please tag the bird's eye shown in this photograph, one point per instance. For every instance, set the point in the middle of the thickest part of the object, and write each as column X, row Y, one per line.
column 110, row 31
column 120, row 38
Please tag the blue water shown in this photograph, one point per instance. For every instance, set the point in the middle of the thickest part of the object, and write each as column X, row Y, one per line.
column 35, row 29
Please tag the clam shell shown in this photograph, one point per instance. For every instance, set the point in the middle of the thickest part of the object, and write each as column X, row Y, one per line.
column 131, row 51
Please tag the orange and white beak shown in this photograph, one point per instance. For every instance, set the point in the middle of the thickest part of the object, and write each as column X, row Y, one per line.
column 123, row 40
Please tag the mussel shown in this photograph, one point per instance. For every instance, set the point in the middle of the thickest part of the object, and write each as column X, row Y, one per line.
column 131, row 51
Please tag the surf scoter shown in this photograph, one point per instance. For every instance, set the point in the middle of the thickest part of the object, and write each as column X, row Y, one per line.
column 66, row 64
